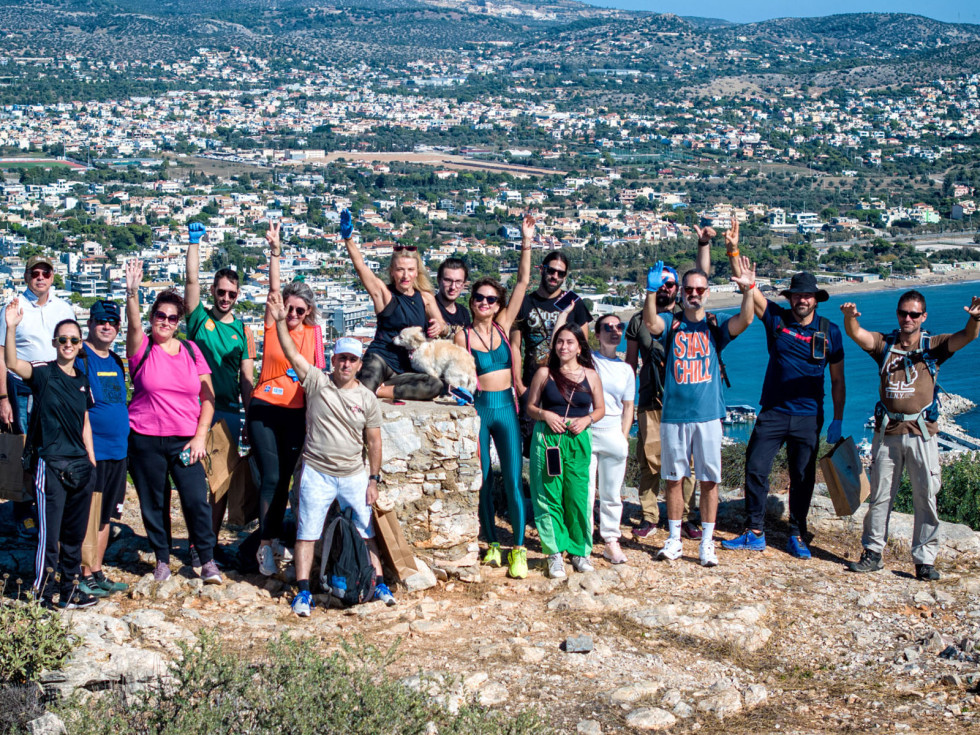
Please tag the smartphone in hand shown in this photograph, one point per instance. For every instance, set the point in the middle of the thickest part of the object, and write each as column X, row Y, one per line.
column 565, row 300
column 185, row 457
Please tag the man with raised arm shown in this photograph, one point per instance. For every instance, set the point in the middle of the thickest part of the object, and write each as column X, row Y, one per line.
column 905, row 425
column 226, row 343
column 694, row 402
column 802, row 346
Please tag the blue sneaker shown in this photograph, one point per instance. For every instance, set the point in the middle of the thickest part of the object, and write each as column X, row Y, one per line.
column 381, row 592
column 747, row 541
column 796, row 546
column 303, row 603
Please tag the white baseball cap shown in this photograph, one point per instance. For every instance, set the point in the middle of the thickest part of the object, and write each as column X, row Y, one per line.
column 348, row 346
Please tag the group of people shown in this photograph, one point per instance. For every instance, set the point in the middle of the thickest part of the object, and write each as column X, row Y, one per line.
column 542, row 393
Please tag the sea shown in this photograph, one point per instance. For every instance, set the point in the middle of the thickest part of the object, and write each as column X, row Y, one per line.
column 746, row 358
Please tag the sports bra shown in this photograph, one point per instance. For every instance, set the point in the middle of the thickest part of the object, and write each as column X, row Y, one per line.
column 498, row 358
column 580, row 404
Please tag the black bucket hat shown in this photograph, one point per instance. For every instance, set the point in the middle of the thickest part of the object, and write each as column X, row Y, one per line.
column 805, row 283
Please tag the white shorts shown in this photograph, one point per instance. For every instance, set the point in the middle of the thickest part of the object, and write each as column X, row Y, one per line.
column 680, row 442
column 317, row 492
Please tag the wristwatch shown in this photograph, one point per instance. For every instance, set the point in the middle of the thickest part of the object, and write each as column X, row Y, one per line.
column 376, row 478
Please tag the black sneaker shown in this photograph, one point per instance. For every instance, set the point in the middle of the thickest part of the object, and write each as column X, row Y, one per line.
column 870, row 562
column 73, row 598
column 926, row 572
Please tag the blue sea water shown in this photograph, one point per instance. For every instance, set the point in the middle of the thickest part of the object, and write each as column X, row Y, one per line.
column 746, row 358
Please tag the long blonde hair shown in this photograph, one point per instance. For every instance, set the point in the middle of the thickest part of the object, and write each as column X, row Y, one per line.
column 421, row 282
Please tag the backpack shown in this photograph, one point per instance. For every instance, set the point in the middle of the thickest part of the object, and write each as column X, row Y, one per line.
column 713, row 329
column 823, row 325
column 146, row 355
column 346, row 573
column 924, row 355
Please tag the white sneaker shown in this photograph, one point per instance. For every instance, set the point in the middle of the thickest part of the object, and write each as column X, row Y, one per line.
column 280, row 552
column 706, row 552
column 582, row 564
column 613, row 553
column 556, row 567
column 671, row 550
column 267, row 560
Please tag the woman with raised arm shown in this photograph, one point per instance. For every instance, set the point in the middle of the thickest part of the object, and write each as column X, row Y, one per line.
column 169, row 418
column 276, row 417
column 487, row 341
column 60, row 452
column 565, row 398
column 407, row 300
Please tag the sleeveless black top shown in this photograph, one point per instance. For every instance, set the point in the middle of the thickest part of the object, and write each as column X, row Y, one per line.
column 402, row 311
column 580, row 404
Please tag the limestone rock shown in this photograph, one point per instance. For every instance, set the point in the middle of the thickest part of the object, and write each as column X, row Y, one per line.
column 635, row 692
column 422, row 580
column 47, row 724
column 650, row 718
column 492, row 694
column 722, row 704
column 755, row 695
column 588, row 727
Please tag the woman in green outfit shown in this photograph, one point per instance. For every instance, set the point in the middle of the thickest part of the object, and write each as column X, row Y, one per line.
column 565, row 398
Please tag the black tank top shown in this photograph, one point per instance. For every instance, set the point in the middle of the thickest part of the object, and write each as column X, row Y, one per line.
column 402, row 311
column 553, row 400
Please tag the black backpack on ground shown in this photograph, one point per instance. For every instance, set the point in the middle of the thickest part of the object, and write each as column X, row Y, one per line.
column 346, row 573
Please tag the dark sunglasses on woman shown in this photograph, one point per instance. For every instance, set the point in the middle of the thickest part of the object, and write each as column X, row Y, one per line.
column 62, row 340
column 607, row 327
column 479, row 297
column 162, row 316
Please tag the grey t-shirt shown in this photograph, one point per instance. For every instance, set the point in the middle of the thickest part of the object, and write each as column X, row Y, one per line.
column 335, row 424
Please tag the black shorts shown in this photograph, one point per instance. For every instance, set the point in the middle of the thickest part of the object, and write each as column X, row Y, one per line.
column 109, row 478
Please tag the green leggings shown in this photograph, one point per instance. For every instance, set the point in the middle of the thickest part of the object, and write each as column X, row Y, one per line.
column 561, row 511
column 498, row 420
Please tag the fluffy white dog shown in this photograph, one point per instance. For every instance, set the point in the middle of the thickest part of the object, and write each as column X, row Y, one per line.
column 439, row 358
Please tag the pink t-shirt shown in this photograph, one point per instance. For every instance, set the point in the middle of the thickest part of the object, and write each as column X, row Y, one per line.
column 166, row 391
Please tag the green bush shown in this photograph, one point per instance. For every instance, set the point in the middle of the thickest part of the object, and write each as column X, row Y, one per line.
column 292, row 688
column 32, row 640
column 959, row 497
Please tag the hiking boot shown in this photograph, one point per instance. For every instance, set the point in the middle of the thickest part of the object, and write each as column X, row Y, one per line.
column 303, row 603
column 280, row 552
column 870, row 561
column 72, row 598
column 748, row 541
column 613, row 553
column 517, row 563
column 267, row 560
column 106, row 584
column 926, row 572
column 706, row 553
column 556, row 567
column 796, row 546
column 672, row 549
column 90, row 586
column 210, row 574
column 492, row 558
column 645, row 530
column 690, row 530
column 381, row 592
column 581, row 564
column 162, row 572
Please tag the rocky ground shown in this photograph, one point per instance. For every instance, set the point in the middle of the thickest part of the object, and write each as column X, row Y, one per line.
column 762, row 643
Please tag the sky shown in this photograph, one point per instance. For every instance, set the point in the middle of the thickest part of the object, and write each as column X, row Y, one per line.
column 951, row 11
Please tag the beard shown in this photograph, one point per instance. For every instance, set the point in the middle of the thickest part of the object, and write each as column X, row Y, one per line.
column 801, row 311
column 548, row 288
column 665, row 300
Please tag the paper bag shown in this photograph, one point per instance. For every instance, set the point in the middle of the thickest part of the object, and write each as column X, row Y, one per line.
column 846, row 479
column 12, row 476
column 393, row 544
column 243, row 492
column 90, row 546
column 221, row 460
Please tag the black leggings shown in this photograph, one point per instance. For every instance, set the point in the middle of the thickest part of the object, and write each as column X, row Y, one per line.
column 405, row 386
column 277, row 436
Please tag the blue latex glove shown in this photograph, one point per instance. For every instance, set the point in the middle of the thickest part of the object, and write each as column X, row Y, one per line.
column 834, row 431
column 346, row 225
column 196, row 231
column 655, row 277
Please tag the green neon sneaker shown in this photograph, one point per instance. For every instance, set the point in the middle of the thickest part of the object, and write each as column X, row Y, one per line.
column 89, row 586
column 492, row 558
column 517, row 563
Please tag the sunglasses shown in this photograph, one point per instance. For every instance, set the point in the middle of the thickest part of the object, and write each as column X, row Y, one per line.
column 669, row 284
column 223, row 294
column 41, row 273
column 297, row 310
column 554, row 271
column 691, row 290
column 480, row 298
column 910, row 314
column 103, row 322
column 409, row 248
column 162, row 316
column 609, row 328
column 65, row 340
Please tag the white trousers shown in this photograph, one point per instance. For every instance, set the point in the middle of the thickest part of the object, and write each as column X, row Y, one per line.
column 609, row 453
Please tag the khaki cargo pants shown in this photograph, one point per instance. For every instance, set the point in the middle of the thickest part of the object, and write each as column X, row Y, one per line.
column 648, row 456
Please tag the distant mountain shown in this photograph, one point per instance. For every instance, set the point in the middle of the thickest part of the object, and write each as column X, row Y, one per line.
column 707, row 22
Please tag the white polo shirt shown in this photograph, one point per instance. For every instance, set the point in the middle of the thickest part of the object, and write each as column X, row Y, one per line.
column 36, row 330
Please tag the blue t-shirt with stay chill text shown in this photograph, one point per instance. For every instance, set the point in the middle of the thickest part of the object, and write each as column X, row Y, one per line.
column 693, row 386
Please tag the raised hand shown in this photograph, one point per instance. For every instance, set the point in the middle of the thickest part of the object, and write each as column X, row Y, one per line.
column 346, row 225
column 705, row 234
column 13, row 314
column 655, row 277
column 527, row 228
column 747, row 279
column 974, row 308
column 731, row 238
column 134, row 273
column 272, row 237
column 196, row 231
column 850, row 310
column 277, row 309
